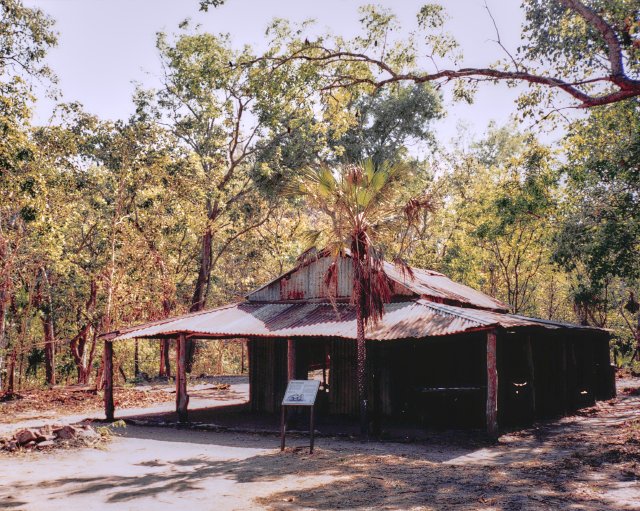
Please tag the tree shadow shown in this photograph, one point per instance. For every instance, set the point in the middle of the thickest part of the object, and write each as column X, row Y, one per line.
column 379, row 479
column 561, row 465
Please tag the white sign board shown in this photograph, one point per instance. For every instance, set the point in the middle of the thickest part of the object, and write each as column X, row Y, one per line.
column 301, row 392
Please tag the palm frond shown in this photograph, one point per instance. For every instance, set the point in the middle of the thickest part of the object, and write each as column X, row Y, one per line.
column 362, row 201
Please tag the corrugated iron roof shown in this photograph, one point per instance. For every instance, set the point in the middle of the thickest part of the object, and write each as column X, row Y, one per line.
column 412, row 319
column 438, row 287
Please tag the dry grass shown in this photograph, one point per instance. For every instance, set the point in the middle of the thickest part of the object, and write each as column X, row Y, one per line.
column 73, row 400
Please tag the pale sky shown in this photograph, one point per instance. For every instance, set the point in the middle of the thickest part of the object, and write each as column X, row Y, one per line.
column 105, row 46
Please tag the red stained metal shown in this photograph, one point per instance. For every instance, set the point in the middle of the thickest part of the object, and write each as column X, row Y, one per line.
column 413, row 319
column 308, row 282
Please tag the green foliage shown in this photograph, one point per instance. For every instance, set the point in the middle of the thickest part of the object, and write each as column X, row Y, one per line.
column 390, row 120
column 561, row 39
column 25, row 36
column 602, row 229
column 104, row 224
column 365, row 210
column 205, row 4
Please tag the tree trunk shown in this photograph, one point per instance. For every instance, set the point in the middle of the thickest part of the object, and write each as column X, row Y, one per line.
column 11, row 373
column 3, row 340
column 78, row 344
column 49, row 349
column 361, row 348
column 492, row 385
column 361, row 345
column 200, row 292
column 182, row 398
column 165, row 360
column 165, row 344
column 136, row 359
column 4, row 299
column 45, row 304
column 107, row 363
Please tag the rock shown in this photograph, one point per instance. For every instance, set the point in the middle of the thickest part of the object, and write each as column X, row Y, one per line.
column 24, row 436
column 46, row 431
column 65, row 432
column 88, row 434
column 11, row 446
column 30, row 444
column 46, row 444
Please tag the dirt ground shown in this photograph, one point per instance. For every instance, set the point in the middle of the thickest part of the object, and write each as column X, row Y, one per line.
column 76, row 402
column 590, row 461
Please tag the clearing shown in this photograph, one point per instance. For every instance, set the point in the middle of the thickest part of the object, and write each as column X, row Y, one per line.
column 589, row 461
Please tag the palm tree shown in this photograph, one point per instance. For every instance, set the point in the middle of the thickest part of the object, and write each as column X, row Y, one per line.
column 364, row 205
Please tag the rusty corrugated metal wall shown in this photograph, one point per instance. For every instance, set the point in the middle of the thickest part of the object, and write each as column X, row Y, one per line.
column 308, row 282
column 268, row 374
column 343, row 395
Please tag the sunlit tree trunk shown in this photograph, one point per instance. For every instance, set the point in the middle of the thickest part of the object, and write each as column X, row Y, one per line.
column 49, row 349
column 3, row 339
column 47, row 328
column 165, row 344
column 165, row 359
column 200, row 291
column 82, row 356
column 136, row 358
column 11, row 373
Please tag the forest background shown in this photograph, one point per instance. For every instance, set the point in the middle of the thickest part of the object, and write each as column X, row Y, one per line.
column 180, row 207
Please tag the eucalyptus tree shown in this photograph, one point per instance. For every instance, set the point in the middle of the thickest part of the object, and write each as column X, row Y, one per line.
column 365, row 209
column 388, row 122
column 25, row 36
column 496, row 228
column 599, row 240
column 241, row 127
column 585, row 50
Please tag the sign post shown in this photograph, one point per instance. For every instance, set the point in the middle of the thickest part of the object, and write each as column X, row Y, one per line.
column 299, row 393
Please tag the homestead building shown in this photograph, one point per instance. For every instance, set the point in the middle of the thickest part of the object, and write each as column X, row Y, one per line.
column 443, row 354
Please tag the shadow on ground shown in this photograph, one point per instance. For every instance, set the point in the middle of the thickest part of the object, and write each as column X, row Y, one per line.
column 573, row 463
column 381, row 480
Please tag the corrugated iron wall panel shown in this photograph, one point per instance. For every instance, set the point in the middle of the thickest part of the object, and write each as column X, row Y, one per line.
column 343, row 395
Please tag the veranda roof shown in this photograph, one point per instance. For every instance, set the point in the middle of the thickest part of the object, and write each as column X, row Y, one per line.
column 412, row 319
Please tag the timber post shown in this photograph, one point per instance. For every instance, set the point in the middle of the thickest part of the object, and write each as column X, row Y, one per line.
column 109, row 407
column 182, row 398
column 492, row 385
column 291, row 359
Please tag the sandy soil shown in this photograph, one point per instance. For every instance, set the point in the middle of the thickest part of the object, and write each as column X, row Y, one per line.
column 589, row 461
column 75, row 404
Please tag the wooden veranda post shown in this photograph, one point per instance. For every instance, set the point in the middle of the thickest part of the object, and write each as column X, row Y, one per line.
column 109, row 407
column 182, row 398
column 291, row 359
column 492, row 385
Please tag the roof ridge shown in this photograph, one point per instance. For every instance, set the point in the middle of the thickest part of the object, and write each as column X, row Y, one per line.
column 443, row 308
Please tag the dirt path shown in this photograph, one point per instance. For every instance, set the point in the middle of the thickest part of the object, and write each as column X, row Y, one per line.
column 584, row 462
column 144, row 399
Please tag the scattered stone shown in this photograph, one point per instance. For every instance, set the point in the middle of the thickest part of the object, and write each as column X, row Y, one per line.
column 65, row 432
column 24, row 436
column 88, row 434
column 49, row 436
column 46, row 430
